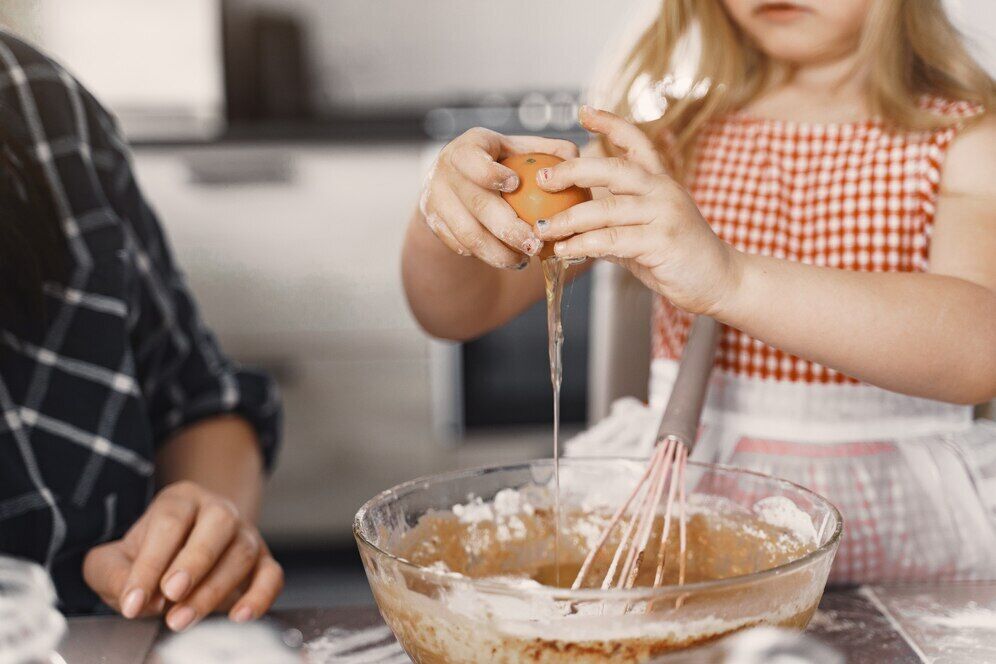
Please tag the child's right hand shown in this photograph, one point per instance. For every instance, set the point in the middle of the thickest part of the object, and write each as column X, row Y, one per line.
column 461, row 200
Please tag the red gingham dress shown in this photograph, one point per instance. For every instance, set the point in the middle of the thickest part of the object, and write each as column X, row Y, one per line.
column 855, row 196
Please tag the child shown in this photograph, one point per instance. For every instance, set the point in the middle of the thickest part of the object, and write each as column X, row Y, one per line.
column 838, row 218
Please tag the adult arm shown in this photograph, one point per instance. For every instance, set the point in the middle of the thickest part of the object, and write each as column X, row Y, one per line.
column 196, row 548
column 220, row 454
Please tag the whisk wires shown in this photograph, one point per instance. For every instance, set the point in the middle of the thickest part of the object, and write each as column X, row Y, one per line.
column 664, row 472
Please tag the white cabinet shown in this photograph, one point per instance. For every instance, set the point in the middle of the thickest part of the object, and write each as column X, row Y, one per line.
column 293, row 252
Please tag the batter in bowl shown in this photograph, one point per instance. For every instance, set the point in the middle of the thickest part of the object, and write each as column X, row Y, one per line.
column 508, row 542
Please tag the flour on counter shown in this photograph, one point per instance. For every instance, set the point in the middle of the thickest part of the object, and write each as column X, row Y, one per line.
column 218, row 640
column 971, row 617
column 829, row 622
column 953, row 624
column 374, row 645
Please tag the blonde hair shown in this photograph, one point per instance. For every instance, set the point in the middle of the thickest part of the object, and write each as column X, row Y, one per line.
column 913, row 48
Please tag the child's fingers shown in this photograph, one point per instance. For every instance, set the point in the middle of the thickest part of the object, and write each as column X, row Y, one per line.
column 619, row 241
column 497, row 217
column 619, row 176
column 445, row 235
column 589, row 216
column 555, row 146
column 475, row 155
column 475, row 163
column 624, row 135
column 433, row 207
column 462, row 214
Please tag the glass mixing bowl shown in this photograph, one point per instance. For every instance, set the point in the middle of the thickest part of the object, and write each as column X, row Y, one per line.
column 439, row 615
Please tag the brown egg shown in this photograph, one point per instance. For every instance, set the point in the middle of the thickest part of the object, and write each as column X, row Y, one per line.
column 532, row 203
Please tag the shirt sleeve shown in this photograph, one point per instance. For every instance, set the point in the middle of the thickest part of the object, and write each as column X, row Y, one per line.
column 184, row 374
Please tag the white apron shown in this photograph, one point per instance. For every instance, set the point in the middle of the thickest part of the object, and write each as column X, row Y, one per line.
column 915, row 479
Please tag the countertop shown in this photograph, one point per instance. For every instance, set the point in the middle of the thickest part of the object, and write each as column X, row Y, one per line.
column 871, row 624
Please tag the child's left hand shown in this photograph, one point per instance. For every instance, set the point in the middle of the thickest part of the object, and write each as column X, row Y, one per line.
column 647, row 222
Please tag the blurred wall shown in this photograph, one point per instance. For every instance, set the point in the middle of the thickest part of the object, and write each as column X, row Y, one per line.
column 977, row 21
column 422, row 53
column 155, row 63
column 403, row 52
column 22, row 17
column 365, row 55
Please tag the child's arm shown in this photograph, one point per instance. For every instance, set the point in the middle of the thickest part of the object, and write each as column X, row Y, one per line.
column 458, row 297
column 931, row 335
column 926, row 334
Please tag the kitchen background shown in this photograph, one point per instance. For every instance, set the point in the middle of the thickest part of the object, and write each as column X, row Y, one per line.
column 283, row 143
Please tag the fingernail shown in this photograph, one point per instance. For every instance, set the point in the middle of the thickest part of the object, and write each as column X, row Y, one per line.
column 176, row 585
column 181, row 618
column 559, row 248
column 509, row 184
column 523, row 265
column 242, row 615
column 132, row 603
column 544, row 174
column 532, row 246
column 584, row 110
column 542, row 224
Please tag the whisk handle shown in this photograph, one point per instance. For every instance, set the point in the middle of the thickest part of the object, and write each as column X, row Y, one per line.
column 684, row 407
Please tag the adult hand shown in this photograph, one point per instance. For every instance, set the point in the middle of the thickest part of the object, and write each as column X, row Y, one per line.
column 461, row 200
column 190, row 554
column 648, row 222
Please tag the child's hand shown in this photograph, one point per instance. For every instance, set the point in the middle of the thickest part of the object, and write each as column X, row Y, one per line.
column 461, row 200
column 647, row 223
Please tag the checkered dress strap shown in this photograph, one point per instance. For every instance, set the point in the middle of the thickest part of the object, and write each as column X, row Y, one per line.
column 855, row 196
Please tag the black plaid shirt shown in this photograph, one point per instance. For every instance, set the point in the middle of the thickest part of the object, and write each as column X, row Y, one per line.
column 125, row 361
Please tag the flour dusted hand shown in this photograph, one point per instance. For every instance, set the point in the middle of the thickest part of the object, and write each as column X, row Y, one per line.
column 648, row 223
column 461, row 201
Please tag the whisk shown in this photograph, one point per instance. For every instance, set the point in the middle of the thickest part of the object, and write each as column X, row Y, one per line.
column 665, row 473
